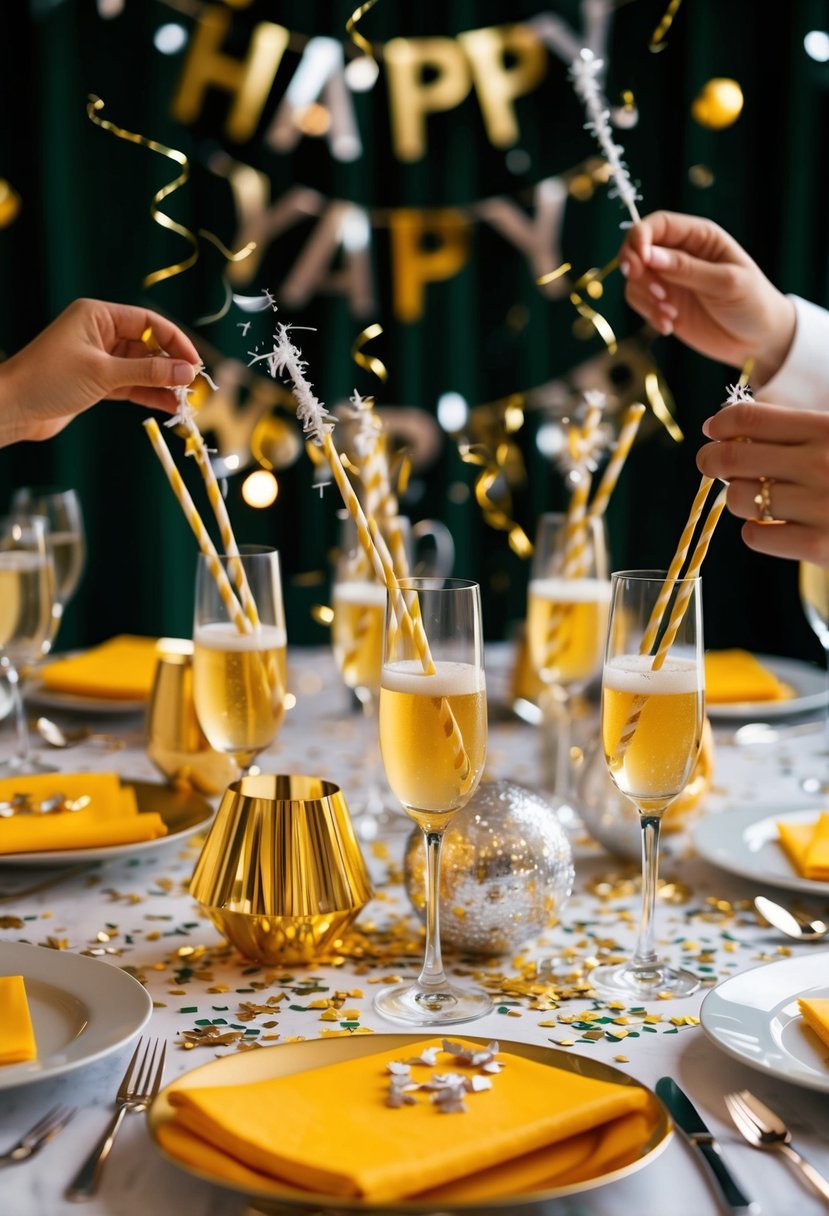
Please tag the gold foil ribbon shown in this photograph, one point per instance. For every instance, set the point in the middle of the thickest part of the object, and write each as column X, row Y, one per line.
column 657, row 42
column 497, row 515
column 551, row 275
column 94, row 105
column 369, row 363
column 660, row 401
column 600, row 324
column 353, row 33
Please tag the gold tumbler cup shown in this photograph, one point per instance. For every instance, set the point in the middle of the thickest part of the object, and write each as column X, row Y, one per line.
column 174, row 740
column 281, row 874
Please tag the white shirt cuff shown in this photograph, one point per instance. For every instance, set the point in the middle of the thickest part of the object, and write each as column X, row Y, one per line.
column 802, row 381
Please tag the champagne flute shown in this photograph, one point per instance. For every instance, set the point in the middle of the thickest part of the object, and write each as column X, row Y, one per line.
column 62, row 511
column 433, row 728
column 567, row 607
column 653, row 709
column 27, row 587
column 239, row 679
column 814, row 596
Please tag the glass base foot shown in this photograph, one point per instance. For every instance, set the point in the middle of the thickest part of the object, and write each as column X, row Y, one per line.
column 17, row 766
column 415, row 1005
column 622, row 979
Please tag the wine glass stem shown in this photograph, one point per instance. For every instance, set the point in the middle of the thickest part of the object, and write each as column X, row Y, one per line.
column 645, row 955
column 13, row 678
column 825, row 640
column 558, row 715
column 432, row 974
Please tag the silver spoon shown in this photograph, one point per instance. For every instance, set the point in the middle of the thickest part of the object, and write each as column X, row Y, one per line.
column 787, row 922
column 56, row 736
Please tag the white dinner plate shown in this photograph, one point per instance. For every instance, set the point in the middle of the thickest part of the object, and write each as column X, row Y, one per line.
column 183, row 811
column 754, row 1017
column 81, row 1009
column 744, row 842
column 36, row 694
column 808, row 684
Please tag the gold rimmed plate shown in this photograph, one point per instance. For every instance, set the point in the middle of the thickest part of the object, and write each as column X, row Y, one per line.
column 183, row 812
column 269, row 1063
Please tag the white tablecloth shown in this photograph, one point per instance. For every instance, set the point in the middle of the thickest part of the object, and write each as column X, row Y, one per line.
column 138, row 910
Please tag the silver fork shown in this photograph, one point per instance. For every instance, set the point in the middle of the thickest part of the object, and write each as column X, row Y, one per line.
column 762, row 1128
column 34, row 1139
column 132, row 1096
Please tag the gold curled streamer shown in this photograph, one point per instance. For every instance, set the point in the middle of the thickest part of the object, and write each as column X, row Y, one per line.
column 551, row 275
column 94, row 104
column 353, row 33
column 497, row 516
column 662, row 406
column 657, row 43
column 745, row 374
column 599, row 323
column 369, row 362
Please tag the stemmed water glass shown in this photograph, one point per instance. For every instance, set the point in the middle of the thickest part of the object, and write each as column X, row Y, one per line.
column 567, row 606
column 814, row 596
column 239, row 678
column 27, row 588
column 62, row 511
column 433, row 730
column 653, row 707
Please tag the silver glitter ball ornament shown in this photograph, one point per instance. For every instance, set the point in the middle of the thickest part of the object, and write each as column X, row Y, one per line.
column 506, row 870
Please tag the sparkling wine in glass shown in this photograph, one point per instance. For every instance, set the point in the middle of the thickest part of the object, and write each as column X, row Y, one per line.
column 814, row 596
column 66, row 537
column 27, row 589
column 433, row 732
column 567, row 607
column 653, row 710
column 239, row 678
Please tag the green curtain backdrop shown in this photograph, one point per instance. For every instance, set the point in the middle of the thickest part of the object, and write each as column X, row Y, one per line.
column 84, row 228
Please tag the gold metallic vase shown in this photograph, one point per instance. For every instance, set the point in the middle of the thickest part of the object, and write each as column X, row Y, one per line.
column 281, row 874
column 174, row 740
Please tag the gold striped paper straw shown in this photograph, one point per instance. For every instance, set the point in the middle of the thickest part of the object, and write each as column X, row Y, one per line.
column 676, row 617
column 195, row 521
column 624, row 442
column 675, row 568
column 217, row 503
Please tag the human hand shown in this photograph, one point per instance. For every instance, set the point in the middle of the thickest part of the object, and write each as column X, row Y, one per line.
column 91, row 351
column 790, row 448
column 687, row 276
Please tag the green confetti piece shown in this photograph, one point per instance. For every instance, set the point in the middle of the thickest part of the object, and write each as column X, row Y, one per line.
column 298, row 1008
column 202, row 1021
column 219, row 1008
column 189, row 1009
column 245, row 989
column 220, row 1021
column 673, row 1030
column 349, row 1025
column 252, row 1032
column 502, row 1009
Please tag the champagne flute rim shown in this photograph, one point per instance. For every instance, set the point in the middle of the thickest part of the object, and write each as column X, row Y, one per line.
column 653, row 576
column 436, row 583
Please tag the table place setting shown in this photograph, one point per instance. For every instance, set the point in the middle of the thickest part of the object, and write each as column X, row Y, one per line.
column 303, row 1037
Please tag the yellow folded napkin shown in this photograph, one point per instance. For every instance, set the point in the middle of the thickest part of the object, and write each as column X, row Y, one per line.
column 341, row 1138
column 736, row 675
column 17, row 1036
column 816, row 1014
column 111, row 817
column 807, row 846
column 122, row 669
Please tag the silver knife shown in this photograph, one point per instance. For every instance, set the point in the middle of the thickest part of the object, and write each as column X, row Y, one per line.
column 687, row 1119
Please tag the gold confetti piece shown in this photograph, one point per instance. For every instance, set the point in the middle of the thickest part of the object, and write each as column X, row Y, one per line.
column 514, row 1013
column 177, row 991
column 657, row 39
column 593, row 1035
column 330, row 1015
column 354, row 34
column 369, row 362
column 355, row 994
column 621, row 1059
column 546, row 1024
column 11, row 922
column 565, row 1042
column 220, row 988
column 350, row 1015
column 322, row 1004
